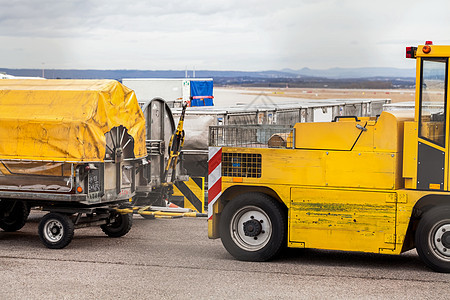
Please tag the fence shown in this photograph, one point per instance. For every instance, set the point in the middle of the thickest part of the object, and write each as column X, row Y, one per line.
column 251, row 136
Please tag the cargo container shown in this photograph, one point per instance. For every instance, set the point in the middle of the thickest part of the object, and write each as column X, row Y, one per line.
column 175, row 91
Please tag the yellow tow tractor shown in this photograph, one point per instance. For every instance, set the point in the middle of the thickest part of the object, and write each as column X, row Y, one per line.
column 373, row 184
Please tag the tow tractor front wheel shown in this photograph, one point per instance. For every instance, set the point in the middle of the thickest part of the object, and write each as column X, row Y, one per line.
column 56, row 230
column 433, row 239
column 253, row 227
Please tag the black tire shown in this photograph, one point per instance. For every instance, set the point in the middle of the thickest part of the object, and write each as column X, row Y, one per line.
column 13, row 215
column 56, row 230
column 119, row 225
column 433, row 239
column 253, row 227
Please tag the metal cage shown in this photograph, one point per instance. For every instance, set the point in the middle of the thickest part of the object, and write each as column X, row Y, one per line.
column 251, row 136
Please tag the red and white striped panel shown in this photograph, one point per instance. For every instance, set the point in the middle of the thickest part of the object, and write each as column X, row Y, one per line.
column 214, row 177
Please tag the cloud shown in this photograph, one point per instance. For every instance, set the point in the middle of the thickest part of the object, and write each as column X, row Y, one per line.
column 216, row 34
column 52, row 18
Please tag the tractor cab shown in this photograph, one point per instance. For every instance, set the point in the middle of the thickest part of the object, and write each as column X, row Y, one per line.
column 426, row 139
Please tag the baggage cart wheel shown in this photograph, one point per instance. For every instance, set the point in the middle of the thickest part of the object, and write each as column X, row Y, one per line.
column 433, row 239
column 13, row 215
column 118, row 225
column 253, row 227
column 56, row 230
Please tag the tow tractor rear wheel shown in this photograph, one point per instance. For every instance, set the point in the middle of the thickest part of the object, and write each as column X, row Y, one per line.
column 56, row 230
column 13, row 214
column 119, row 225
column 253, row 227
column 433, row 238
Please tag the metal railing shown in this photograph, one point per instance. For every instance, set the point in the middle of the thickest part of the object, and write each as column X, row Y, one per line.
column 251, row 136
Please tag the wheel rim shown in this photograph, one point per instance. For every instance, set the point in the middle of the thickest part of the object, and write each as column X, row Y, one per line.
column 251, row 228
column 53, row 230
column 440, row 240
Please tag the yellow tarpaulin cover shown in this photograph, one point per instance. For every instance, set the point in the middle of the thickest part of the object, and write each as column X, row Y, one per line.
column 65, row 120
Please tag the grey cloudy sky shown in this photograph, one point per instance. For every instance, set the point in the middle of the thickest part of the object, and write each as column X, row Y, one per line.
column 217, row 35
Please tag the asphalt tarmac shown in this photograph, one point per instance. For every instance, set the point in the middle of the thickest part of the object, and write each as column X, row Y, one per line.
column 174, row 259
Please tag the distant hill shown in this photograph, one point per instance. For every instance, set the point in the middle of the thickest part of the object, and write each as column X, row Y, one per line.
column 344, row 73
column 119, row 74
column 371, row 78
column 334, row 73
